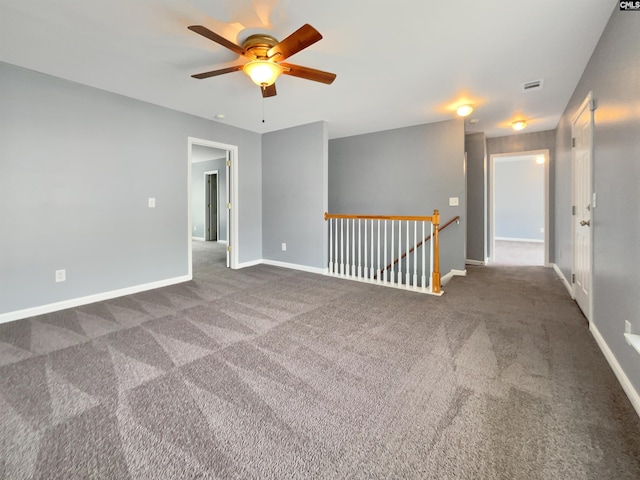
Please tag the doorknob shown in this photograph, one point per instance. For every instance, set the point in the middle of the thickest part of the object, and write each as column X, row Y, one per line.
column 586, row 223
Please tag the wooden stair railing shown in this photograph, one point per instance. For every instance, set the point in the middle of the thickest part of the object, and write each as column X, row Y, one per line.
column 349, row 271
column 412, row 249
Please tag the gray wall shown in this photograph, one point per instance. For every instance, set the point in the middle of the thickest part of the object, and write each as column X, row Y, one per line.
column 613, row 74
column 77, row 165
column 198, row 196
column 524, row 142
column 294, row 195
column 476, row 149
column 519, row 199
column 407, row 171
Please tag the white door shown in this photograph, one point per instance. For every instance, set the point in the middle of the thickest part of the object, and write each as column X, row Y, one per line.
column 582, row 132
column 228, row 162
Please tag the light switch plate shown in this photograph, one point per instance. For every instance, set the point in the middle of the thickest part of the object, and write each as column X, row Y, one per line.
column 152, row 202
column 454, row 201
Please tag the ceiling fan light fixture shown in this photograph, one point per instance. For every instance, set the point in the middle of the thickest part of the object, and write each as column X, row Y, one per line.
column 263, row 73
column 519, row 124
column 464, row 110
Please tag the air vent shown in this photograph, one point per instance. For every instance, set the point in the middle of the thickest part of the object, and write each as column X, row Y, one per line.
column 532, row 86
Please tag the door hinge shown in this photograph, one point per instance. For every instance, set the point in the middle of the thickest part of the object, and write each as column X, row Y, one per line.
column 573, row 142
column 228, row 248
column 229, row 206
column 228, row 163
column 573, row 278
column 573, row 209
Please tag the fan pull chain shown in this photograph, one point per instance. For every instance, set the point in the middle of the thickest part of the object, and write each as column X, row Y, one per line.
column 262, row 109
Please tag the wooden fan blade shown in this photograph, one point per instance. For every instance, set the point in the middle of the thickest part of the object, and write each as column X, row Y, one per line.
column 214, row 73
column 269, row 91
column 205, row 32
column 298, row 40
column 308, row 73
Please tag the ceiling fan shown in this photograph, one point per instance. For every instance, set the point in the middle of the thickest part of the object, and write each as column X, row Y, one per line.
column 265, row 54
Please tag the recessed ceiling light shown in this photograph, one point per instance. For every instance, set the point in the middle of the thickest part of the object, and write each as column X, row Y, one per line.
column 540, row 160
column 465, row 110
column 220, row 116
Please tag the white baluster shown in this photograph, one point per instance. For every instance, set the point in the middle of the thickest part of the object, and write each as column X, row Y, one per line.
column 423, row 283
column 399, row 252
column 359, row 248
column 366, row 271
column 347, row 272
column 378, row 272
column 392, row 279
column 353, row 247
column 330, row 245
column 335, row 234
column 342, row 246
column 386, row 270
column 372, row 273
column 415, row 254
column 406, row 261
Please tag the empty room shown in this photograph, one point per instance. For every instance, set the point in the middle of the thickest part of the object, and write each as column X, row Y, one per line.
column 302, row 239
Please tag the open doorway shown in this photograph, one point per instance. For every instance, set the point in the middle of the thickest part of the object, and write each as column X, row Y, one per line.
column 519, row 230
column 212, row 201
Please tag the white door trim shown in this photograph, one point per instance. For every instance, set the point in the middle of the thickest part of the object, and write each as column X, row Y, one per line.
column 528, row 153
column 233, row 239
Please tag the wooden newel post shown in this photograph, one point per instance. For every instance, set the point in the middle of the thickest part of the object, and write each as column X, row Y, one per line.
column 435, row 277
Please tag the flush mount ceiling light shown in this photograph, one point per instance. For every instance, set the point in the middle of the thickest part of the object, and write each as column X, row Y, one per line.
column 263, row 73
column 519, row 124
column 464, row 110
column 540, row 160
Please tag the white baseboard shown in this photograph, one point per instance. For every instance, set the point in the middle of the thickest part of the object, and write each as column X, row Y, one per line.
column 224, row 242
column 294, row 266
column 98, row 297
column 528, row 240
column 478, row 263
column 453, row 273
column 627, row 386
column 199, row 239
column 565, row 282
column 252, row 263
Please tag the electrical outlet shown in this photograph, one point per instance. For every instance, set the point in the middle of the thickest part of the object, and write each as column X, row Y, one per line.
column 454, row 201
column 152, row 202
column 61, row 276
column 284, row 247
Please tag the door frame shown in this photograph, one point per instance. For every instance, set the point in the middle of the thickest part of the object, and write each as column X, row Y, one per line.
column 589, row 103
column 213, row 173
column 233, row 237
column 492, row 204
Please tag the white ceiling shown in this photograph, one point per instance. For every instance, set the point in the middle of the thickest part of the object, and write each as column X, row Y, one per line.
column 398, row 63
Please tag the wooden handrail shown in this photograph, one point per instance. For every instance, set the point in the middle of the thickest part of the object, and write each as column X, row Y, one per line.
column 327, row 216
column 412, row 249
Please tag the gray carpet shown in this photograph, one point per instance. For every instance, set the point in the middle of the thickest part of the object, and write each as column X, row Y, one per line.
column 271, row 373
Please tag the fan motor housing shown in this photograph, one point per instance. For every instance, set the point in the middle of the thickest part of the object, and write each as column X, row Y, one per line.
column 259, row 44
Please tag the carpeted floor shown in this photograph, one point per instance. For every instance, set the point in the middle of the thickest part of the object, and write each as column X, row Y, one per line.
column 271, row 373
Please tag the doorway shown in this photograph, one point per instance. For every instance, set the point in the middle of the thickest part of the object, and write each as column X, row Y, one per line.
column 227, row 217
column 519, row 206
column 211, row 203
